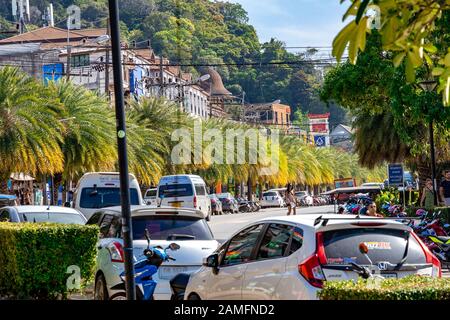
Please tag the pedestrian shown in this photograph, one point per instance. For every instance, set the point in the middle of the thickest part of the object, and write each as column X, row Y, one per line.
column 372, row 210
column 444, row 190
column 427, row 198
column 290, row 199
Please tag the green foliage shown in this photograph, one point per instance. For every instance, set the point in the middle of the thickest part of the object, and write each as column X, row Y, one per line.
column 35, row 257
column 409, row 288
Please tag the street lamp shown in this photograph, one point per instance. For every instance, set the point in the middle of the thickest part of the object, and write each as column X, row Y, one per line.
column 429, row 86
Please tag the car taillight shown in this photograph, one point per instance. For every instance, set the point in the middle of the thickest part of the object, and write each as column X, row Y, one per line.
column 116, row 251
column 311, row 268
column 430, row 258
column 195, row 202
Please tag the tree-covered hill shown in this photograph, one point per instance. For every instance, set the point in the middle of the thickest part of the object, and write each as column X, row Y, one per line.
column 198, row 32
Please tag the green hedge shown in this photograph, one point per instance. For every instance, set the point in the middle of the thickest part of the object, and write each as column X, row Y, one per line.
column 445, row 212
column 34, row 258
column 408, row 288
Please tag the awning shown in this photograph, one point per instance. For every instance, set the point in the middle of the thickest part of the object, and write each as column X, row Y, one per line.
column 21, row 177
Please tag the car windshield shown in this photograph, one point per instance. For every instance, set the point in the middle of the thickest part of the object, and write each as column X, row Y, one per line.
column 171, row 228
column 385, row 245
column 96, row 198
column 176, row 190
column 54, row 217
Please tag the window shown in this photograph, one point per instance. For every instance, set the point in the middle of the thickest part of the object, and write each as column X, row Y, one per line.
column 287, row 118
column 54, row 217
column 97, row 198
column 274, row 242
column 241, row 246
column 200, row 190
column 105, row 225
column 5, row 216
column 171, row 228
column 296, row 240
column 176, row 190
column 79, row 60
column 95, row 218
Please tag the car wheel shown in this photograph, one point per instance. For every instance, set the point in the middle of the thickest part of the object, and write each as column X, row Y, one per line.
column 194, row 296
column 119, row 296
column 100, row 291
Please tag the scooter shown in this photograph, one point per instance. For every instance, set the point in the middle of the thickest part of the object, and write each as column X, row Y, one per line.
column 144, row 270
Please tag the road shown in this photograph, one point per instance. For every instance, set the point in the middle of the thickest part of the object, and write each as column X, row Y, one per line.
column 225, row 225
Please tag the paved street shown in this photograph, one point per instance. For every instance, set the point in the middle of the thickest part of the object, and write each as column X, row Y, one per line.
column 225, row 225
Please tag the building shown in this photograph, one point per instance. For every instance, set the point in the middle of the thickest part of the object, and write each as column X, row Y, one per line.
column 84, row 57
column 274, row 113
column 342, row 136
column 319, row 129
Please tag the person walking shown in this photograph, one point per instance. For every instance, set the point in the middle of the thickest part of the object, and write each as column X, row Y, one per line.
column 427, row 198
column 290, row 200
column 444, row 189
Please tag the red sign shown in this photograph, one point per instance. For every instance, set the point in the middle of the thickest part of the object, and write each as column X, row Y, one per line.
column 319, row 127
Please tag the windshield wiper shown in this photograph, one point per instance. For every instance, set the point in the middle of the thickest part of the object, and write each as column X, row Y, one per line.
column 180, row 237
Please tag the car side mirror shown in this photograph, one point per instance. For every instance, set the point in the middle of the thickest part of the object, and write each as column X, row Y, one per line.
column 212, row 262
column 67, row 204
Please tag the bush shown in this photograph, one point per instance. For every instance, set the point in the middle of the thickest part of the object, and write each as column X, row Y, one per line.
column 408, row 288
column 34, row 258
column 445, row 212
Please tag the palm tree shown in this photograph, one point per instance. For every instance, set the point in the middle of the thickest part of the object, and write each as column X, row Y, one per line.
column 30, row 133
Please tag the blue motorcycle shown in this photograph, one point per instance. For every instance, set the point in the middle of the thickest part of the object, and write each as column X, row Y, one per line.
column 144, row 270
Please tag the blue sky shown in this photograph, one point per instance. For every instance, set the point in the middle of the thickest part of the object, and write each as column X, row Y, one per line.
column 296, row 22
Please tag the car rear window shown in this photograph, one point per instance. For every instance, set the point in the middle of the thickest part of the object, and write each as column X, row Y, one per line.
column 269, row 194
column 96, row 198
column 150, row 193
column 175, row 190
column 53, row 217
column 385, row 245
column 171, row 228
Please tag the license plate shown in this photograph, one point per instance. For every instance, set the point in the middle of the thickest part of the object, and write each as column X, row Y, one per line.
column 176, row 204
column 167, row 273
column 389, row 275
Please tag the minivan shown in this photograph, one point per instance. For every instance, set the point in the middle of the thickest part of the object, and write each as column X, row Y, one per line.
column 184, row 191
column 150, row 196
column 97, row 190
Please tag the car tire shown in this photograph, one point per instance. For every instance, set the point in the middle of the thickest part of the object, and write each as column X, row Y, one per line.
column 100, row 289
column 119, row 296
column 194, row 296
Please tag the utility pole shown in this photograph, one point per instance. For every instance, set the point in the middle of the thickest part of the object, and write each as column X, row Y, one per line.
column 122, row 150
column 161, row 76
column 107, row 60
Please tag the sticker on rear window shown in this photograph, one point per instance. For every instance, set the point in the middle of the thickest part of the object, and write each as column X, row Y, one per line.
column 345, row 260
column 376, row 245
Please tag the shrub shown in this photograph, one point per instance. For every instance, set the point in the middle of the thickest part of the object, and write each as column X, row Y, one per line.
column 34, row 257
column 408, row 288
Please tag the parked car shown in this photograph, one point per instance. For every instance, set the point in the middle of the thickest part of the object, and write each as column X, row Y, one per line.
column 184, row 191
column 229, row 203
column 52, row 214
column 150, row 196
column 216, row 204
column 97, row 190
column 7, row 200
column 272, row 198
column 291, row 257
column 186, row 227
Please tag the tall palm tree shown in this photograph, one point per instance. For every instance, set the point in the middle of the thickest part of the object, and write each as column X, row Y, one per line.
column 30, row 133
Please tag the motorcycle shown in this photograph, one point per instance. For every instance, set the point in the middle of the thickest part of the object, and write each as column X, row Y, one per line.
column 144, row 270
column 244, row 205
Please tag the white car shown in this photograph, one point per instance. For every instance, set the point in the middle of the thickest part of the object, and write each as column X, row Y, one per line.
column 166, row 225
column 53, row 214
column 272, row 198
column 290, row 257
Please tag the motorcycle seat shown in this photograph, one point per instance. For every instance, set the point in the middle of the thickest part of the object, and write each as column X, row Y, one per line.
column 442, row 238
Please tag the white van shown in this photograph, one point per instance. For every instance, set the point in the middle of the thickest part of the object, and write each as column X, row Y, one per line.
column 187, row 191
column 150, row 196
column 97, row 190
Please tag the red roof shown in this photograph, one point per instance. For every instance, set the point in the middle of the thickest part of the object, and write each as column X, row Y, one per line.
column 319, row 116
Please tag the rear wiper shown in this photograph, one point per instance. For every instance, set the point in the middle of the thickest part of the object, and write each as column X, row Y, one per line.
column 180, row 237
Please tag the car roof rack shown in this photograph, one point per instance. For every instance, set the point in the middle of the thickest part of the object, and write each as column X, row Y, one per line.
column 325, row 219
